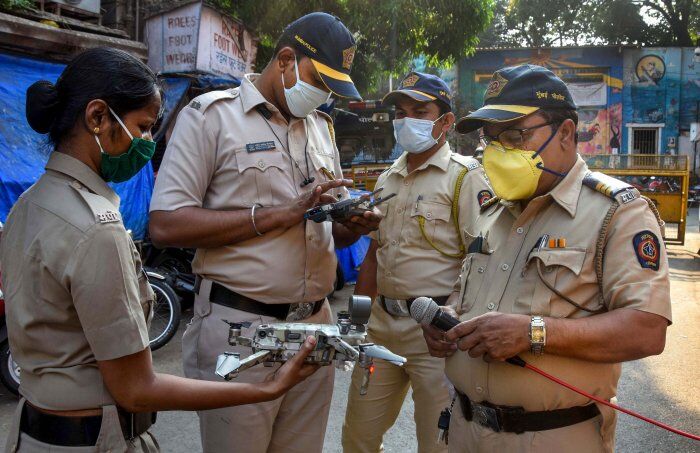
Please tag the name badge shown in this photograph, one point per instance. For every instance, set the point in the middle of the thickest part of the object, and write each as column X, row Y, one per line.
column 260, row 146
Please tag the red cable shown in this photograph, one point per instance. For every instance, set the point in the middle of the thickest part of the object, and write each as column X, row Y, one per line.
column 607, row 403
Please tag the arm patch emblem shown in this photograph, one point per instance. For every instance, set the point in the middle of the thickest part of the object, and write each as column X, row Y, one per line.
column 648, row 249
column 483, row 196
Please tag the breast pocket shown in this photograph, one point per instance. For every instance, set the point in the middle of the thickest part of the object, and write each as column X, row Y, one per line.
column 262, row 173
column 433, row 229
column 558, row 277
column 472, row 276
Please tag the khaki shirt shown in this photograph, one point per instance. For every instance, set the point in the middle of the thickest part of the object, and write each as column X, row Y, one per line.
column 74, row 286
column 506, row 280
column 223, row 156
column 407, row 265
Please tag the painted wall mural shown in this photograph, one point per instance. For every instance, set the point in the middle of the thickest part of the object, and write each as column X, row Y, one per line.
column 657, row 87
column 594, row 76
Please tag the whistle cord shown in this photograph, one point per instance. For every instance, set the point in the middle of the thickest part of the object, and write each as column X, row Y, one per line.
column 521, row 363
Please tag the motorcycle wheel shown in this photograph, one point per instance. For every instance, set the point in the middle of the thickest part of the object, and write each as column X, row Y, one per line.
column 166, row 315
column 9, row 370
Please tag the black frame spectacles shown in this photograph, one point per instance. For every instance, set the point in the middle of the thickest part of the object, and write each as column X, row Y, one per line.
column 510, row 141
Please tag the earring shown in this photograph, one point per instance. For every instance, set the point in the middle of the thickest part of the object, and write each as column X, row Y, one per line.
column 96, row 130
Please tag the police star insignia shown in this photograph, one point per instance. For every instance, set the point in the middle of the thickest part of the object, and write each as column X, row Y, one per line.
column 348, row 56
column 648, row 249
column 498, row 82
column 409, row 81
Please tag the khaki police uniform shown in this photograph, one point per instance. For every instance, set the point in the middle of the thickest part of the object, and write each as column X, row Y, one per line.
column 224, row 156
column 408, row 266
column 76, row 293
column 504, row 278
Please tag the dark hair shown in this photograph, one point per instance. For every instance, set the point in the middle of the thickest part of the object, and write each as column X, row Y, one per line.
column 558, row 116
column 444, row 108
column 287, row 40
column 121, row 80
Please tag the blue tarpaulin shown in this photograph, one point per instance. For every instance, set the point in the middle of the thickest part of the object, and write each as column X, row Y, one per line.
column 23, row 152
column 350, row 258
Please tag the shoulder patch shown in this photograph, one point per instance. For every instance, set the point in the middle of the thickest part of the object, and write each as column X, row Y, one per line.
column 609, row 186
column 490, row 202
column 202, row 102
column 648, row 249
column 483, row 197
column 465, row 161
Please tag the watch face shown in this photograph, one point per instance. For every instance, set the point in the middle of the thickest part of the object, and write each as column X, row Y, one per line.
column 537, row 335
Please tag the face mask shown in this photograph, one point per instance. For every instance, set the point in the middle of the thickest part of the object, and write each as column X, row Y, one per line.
column 414, row 135
column 303, row 98
column 124, row 166
column 515, row 173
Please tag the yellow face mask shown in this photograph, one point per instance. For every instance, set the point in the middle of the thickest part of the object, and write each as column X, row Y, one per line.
column 515, row 173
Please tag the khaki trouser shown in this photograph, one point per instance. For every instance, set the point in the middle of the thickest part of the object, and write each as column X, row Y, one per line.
column 110, row 440
column 295, row 422
column 584, row 437
column 368, row 417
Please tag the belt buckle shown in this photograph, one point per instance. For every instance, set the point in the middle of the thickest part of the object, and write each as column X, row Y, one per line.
column 299, row 311
column 396, row 307
column 486, row 416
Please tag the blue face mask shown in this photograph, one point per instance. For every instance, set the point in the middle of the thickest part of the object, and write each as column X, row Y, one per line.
column 303, row 98
column 415, row 136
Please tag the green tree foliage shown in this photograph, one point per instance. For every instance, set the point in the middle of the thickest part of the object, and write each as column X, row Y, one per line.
column 537, row 23
column 389, row 33
column 15, row 4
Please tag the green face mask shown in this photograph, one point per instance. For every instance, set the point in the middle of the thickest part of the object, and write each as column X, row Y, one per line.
column 124, row 166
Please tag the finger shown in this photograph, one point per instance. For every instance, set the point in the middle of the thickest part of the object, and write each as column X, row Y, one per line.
column 305, row 349
column 468, row 342
column 328, row 185
column 307, row 370
column 462, row 329
column 324, row 198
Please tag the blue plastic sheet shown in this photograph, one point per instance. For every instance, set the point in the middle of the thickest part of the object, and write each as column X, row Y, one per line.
column 24, row 153
column 350, row 258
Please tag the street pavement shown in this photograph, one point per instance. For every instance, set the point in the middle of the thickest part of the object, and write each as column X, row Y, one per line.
column 665, row 387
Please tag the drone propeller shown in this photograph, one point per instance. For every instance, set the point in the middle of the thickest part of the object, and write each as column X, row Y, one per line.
column 376, row 351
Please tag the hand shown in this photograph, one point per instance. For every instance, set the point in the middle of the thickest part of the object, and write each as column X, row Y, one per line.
column 435, row 338
column 493, row 336
column 294, row 371
column 315, row 197
column 364, row 224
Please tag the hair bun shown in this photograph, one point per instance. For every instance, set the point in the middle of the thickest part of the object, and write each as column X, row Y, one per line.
column 42, row 105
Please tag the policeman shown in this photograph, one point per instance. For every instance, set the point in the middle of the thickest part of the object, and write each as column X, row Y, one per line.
column 239, row 172
column 569, row 272
column 417, row 251
column 78, row 301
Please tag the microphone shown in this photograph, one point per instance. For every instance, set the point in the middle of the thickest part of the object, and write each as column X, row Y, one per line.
column 426, row 312
column 308, row 181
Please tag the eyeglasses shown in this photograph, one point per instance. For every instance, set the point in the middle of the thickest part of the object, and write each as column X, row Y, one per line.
column 512, row 138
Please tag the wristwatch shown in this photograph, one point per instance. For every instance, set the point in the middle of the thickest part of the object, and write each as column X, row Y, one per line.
column 538, row 335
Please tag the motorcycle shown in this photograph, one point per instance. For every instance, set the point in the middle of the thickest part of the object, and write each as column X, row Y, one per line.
column 167, row 311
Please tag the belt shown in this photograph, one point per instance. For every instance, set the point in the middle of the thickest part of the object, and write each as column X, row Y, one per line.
column 512, row 419
column 400, row 307
column 221, row 295
column 79, row 431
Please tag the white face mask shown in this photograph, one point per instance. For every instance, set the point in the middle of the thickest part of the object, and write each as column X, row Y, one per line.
column 303, row 98
column 415, row 136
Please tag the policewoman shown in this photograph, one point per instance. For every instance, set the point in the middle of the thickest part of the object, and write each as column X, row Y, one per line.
column 78, row 301
column 417, row 251
column 571, row 274
column 241, row 169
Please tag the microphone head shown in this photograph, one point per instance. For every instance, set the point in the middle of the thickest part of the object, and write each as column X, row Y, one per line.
column 423, row 310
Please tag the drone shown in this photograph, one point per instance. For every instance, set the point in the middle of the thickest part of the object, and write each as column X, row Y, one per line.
column 335, row 344
column 343, row 210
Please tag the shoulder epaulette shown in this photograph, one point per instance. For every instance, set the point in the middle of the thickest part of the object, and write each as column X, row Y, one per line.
column 610, row 187
column 102, row 210
column 465, row 161
column 203, row 101
column 329, row 122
